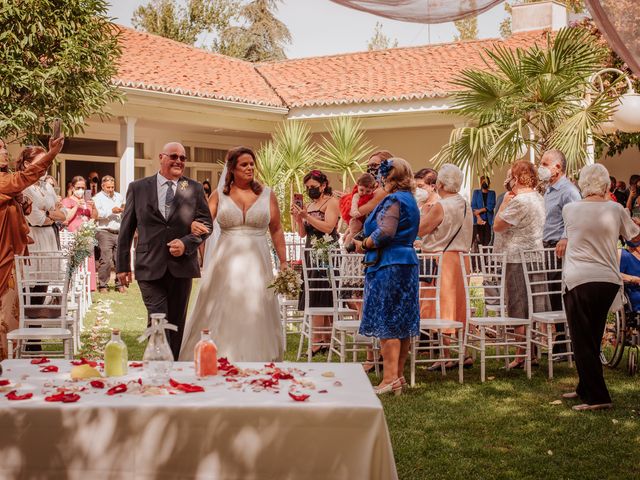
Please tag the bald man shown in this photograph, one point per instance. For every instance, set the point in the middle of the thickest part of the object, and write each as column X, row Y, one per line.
column 161, row 208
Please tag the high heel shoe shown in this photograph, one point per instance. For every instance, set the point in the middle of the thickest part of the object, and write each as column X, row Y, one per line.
column 395, row 387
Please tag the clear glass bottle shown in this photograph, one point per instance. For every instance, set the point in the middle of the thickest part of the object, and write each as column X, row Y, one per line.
column 116, row 356
column 158, row 358
column 205, row 356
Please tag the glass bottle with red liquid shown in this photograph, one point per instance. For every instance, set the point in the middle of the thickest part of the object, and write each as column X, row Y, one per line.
column 206, row 356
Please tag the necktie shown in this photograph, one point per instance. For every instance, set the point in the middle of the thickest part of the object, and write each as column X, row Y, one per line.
column 168, row 200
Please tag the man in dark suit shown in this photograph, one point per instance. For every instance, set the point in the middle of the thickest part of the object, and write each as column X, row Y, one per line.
column 161, row 208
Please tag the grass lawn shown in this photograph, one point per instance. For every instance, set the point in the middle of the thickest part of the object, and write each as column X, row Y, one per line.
column 506, row 428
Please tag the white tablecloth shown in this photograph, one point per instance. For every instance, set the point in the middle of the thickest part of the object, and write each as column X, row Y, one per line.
column 221, row 433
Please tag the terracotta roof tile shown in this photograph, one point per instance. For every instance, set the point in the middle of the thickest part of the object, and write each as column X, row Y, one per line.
column 150, row 62
column 387, row 75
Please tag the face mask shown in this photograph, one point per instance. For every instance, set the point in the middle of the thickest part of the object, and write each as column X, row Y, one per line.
column 314, row 193
column 421, row 195
column 484, row 186
column 544, row 174
column 78, row 192
column 94, row 180
column 373, row 170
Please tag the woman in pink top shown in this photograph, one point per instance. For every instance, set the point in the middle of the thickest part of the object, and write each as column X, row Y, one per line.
column 80, row 211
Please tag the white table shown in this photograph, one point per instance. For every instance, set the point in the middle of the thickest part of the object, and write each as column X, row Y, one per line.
column 221, row 433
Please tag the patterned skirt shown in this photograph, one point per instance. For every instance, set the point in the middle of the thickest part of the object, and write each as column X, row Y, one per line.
column 391, row 307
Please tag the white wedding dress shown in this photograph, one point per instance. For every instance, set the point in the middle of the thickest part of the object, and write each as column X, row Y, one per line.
column 234, row 302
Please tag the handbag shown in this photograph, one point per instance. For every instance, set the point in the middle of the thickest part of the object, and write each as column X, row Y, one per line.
column 428, row 270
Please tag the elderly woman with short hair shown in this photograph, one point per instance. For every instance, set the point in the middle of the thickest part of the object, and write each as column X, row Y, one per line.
column 391, row 312
column 591, row 277
column 447, row 228
column 518, row 227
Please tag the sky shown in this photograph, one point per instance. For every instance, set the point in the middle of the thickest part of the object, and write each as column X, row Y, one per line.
column 321, row 27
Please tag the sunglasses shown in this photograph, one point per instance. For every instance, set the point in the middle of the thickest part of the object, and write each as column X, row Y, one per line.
column 174, row 157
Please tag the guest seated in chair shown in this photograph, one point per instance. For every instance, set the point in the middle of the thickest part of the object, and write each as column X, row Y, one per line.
column 630, row 270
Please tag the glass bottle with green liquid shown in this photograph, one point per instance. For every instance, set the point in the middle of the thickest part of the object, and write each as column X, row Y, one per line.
column 115, row 356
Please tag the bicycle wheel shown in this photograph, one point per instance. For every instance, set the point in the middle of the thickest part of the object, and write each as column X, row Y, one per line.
column 632, row 361
column 613, row 340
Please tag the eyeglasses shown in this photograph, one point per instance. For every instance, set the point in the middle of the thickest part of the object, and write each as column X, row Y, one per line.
column 175, row 156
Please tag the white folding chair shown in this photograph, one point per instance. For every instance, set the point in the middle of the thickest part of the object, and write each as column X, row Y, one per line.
column 430, row 347
column 290, row 316
column 492, row 333
column 315, row 272
column 347, row 282
column 42, row 283
column 538, row 265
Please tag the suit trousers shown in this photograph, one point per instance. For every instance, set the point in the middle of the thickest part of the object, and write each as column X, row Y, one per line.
column 108, row 244
column 168, row 295
column 587, row 307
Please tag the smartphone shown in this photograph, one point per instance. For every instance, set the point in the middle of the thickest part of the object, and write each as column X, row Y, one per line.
column 87, row 196
column 298, row 200
column 57, row 128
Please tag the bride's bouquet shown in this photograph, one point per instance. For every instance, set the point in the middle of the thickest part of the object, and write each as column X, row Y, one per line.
column 287, row 283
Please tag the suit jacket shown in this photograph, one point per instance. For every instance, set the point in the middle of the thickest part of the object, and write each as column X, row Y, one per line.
column 477, row 202
column 154, row 231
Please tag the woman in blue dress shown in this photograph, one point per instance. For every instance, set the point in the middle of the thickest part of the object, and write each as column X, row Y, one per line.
column 391, row 310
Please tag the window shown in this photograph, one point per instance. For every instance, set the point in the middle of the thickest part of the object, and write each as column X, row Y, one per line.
column 138, row 150
column 139, row 172
column 87, row 146
column 209, row 155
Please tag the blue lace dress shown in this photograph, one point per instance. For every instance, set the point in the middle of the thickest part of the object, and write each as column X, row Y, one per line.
column 391, row 308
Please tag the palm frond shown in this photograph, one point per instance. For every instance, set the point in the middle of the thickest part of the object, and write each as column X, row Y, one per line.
column 293, row 142
column 345, row 149
column 468, row 148
column 573, row 134
column 270, row 171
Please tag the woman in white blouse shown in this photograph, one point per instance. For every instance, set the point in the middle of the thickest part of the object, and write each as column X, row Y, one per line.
column 518, row 227
column 45, row 209
column 591, row 277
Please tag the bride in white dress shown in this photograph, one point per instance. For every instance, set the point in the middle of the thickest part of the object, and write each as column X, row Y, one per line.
column 233, row 301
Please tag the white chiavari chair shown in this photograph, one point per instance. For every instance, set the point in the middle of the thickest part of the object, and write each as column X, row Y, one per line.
column 489, row 332
column 42, row 283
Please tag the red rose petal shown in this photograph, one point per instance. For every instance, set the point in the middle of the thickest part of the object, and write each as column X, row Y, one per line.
column 13, row 395
column 120, row 388
column 280, row 375
column 49, row 368
column 84, row 361
column 185, row 387
column 4, row 383
column 39, row 361
column 323, row 391
column 63, row 397
column 136, row 364
column 299, row 397
column 97, row 383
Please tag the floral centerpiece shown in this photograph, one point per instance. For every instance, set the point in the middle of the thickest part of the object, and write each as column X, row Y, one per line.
column 287, row 283
column 81, row 246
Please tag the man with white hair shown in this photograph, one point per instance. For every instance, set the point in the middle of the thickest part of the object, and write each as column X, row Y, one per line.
column 560, row 192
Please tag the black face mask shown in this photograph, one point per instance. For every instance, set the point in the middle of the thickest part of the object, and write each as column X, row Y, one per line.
column 314, row 193
column 373, row 170
column 207, row 191
column 94, row 179
column 485, row 186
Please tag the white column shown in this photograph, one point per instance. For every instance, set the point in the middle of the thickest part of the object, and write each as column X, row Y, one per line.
column 126, row 167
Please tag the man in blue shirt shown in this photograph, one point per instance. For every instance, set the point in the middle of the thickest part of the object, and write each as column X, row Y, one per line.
column 560, row 191
column 483, row 204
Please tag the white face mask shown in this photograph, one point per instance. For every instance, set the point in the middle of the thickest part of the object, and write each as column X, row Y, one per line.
column 421, row 195
column 544, row 174
column 78, row 192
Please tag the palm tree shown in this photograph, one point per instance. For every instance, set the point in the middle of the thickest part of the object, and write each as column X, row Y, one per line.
column 530, row 98
column 345, row 149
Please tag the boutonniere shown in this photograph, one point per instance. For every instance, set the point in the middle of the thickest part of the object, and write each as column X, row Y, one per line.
column 183, row 185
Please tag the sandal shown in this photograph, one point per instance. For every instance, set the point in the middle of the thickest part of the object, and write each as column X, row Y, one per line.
column 585, row 406
column 516, row 365
column 570, row 395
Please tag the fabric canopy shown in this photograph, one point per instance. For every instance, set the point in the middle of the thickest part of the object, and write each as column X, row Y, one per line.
column 421, row 11
column 619, row 22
